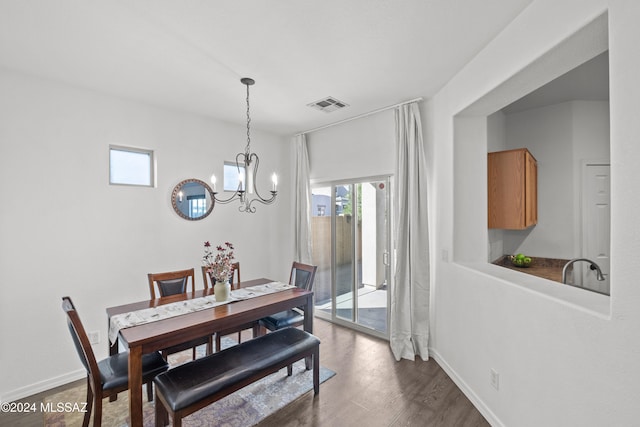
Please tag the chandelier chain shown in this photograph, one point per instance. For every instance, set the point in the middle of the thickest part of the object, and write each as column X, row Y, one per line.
column 248, row 148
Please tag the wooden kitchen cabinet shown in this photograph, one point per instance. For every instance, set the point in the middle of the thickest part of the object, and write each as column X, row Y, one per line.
column 512, row 189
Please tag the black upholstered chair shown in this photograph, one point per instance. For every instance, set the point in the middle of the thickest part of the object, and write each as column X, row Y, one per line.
column 235, row 278
column 110, row 376
column 173, row 283
column 302, row 275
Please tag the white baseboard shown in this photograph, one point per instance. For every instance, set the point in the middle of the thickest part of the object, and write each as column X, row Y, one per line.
column 477, row 402
column 29, row 390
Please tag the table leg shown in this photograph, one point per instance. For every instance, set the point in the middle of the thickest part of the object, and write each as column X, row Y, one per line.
column 308, row 314
column 308, row 325
column 135, row 386
column 113, row 349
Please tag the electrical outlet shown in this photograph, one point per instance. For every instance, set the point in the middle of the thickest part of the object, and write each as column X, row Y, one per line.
column 445, row 255
column 495, row 379
column 94, row 337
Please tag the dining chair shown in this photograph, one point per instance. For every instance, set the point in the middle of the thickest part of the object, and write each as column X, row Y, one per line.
column 173, row 283
column 235, row 278
column 302, row 275
column 109, row 376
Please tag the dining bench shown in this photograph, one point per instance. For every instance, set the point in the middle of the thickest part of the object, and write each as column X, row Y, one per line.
column 194, row 385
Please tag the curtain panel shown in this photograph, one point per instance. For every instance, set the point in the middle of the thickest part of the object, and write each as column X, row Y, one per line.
column 302, row 202
column 409, row 311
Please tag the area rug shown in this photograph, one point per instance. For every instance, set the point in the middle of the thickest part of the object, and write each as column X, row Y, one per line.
column 246, row 407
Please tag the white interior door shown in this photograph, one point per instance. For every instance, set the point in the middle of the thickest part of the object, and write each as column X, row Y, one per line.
column 596, row 225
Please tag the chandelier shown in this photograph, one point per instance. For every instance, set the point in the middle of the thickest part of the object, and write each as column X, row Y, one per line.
column 247, row 164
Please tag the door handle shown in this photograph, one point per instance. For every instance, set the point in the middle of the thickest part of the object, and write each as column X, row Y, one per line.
column 385, row 258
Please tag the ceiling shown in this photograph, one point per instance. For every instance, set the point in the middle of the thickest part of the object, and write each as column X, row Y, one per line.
column 189, row 55
column 587, row 82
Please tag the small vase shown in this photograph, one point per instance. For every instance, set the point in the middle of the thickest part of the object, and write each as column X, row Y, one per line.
column 222, row 290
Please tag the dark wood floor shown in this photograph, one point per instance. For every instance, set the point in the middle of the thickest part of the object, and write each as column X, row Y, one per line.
column 370, row 388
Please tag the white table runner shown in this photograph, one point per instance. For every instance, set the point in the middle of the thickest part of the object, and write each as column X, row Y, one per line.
column 147, row 315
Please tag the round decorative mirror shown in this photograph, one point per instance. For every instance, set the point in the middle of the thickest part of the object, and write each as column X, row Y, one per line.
column 192, row 199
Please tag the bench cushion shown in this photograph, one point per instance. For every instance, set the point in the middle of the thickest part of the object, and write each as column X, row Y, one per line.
column 192, row 382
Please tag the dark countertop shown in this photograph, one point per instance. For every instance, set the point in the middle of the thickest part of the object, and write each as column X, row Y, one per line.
column 547, row 268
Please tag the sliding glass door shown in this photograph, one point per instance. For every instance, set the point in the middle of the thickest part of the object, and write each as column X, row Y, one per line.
column 350, row 229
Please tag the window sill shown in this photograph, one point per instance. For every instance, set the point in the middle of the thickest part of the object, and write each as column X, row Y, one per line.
column 590, row 302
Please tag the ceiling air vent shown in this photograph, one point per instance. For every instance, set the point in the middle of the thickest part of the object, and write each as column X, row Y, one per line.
column 328, row 104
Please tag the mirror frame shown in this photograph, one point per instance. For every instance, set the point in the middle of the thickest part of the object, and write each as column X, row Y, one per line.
column 174, row 197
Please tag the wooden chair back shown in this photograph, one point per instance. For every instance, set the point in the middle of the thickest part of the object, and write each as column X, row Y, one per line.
column 302, row 275
column 171, row 283
column 82, row 344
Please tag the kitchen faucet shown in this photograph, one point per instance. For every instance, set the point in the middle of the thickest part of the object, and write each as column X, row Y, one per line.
column 593, row 266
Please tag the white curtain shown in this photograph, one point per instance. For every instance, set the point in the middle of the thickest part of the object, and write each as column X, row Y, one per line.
column 302, row 202
column 409, row 322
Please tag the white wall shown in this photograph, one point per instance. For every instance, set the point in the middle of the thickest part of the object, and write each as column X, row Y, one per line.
column 65, row 231
column 560, row 137
column 565, row 357
column 356, row 149
column 496, row 141
column 547, row 133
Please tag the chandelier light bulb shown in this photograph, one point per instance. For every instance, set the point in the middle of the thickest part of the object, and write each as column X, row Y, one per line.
column 250, row 184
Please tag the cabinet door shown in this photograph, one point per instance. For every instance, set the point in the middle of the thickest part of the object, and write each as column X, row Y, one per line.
column 531, row 190
column 512, row 189
column 506, row 189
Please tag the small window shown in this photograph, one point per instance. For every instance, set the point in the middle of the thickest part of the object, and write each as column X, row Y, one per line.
column 231, row 176
column 130, row 166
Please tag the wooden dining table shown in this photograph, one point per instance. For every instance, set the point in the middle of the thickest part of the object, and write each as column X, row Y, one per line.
column 154, row 336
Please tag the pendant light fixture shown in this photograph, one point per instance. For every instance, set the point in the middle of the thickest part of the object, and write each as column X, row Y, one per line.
column 247, row 164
